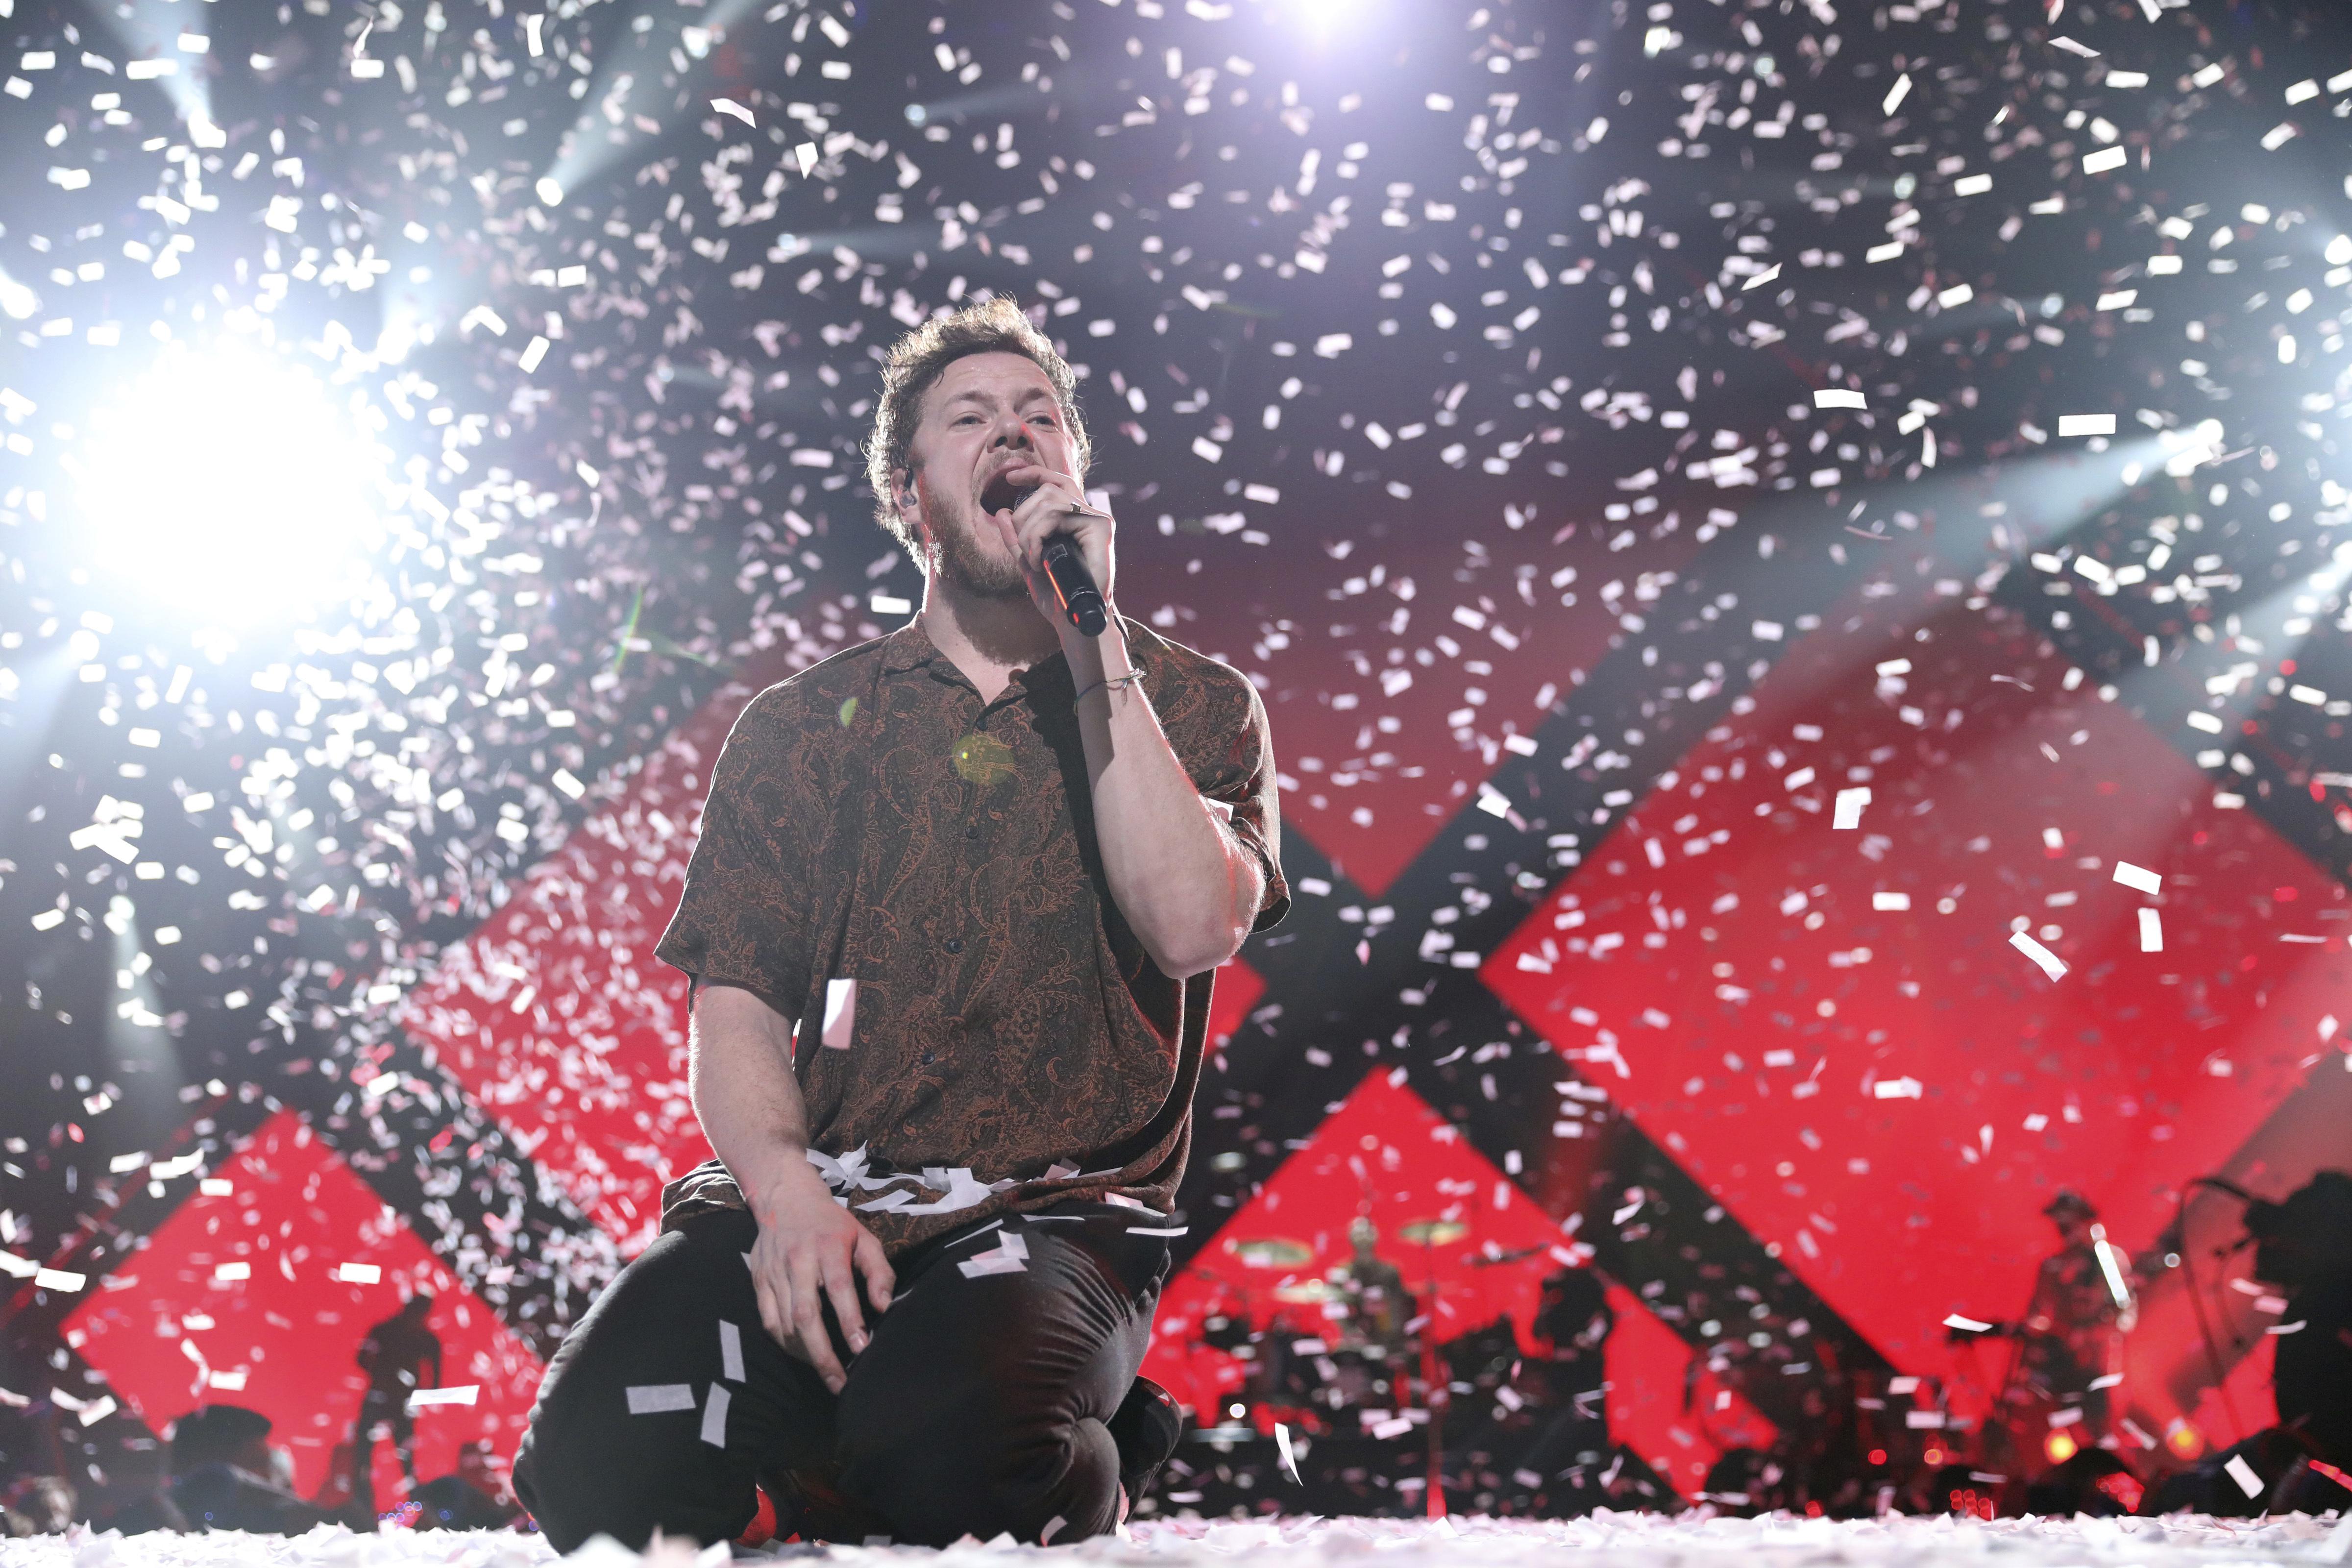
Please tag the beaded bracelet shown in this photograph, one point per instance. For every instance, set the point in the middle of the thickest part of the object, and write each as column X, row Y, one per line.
column 1128, row 678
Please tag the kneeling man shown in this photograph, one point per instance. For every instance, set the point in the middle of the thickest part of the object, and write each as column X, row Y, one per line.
column 951, row 921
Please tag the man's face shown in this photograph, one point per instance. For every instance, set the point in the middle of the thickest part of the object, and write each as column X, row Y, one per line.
column 985, row 413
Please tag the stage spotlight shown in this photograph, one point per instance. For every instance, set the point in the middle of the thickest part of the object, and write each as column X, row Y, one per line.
column 229, row 484
column 1325, row 17
column 2060, row 1447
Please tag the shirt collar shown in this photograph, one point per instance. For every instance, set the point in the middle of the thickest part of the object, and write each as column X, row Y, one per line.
column 911, row 648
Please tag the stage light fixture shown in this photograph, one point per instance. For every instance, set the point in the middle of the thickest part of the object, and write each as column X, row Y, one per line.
column 229, row 484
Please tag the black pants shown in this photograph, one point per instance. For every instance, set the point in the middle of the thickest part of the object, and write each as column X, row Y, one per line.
column 978, row 1405
column 382, row 1407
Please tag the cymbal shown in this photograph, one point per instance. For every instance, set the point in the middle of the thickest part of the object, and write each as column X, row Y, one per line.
column 1500, row 1258
column 1306, row 1292
column 1433, row 1232
column 1273, row 1252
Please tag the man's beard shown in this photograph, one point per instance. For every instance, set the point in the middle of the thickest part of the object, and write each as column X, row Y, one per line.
column 956, row 553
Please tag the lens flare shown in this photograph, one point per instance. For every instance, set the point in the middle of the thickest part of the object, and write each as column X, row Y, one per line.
column 228, row 484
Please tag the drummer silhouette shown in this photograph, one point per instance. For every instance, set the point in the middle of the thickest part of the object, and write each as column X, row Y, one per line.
column 1372, row 1291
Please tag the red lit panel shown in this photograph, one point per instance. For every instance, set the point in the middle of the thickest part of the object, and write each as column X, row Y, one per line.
column 1678, row 1424
column 1397, row 635
column 1889, row 1096
column 170, row 1333
column 556, row 1016
column 1236, row 991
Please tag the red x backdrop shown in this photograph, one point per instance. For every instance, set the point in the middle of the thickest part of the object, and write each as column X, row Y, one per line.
column 1885, row 1092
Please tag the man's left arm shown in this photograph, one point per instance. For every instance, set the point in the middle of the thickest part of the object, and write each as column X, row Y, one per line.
column 1188, row 884
column 1189, row 887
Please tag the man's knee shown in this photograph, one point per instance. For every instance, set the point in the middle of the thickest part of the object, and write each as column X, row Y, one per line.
column 582, row 1476
column 938, row 1476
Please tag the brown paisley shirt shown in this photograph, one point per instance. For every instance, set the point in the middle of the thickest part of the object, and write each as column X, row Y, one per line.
column 912, row 876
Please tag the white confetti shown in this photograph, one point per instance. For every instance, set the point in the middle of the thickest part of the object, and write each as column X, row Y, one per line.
column 730, row 1352
column 460, row 1394
column 657, row 1398
column 2051, row 963
column 840, row 1014
column 714, row 1415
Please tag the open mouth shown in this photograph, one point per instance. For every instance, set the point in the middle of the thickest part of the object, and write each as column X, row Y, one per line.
column 1001, row 494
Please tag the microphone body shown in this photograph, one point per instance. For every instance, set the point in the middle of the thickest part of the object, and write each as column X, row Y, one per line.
column 1074, row 585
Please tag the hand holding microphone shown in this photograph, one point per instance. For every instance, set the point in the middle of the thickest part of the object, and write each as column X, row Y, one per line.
column 1076, row 590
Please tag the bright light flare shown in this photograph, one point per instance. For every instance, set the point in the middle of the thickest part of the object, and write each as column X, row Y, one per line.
column 1325, row 17
column 231, row 484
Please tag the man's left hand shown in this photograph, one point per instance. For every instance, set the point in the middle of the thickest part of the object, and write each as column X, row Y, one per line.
column 1057, row 505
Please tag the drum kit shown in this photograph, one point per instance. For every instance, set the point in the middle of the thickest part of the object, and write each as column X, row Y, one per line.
column 1317, row 1359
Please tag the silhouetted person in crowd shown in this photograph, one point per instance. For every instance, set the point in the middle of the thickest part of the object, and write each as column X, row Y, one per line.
column 137, row 1496
column 474, row 1497
column 37, row 1505
column 1566, row 1384
column 394, row 1355
column 226, row 1474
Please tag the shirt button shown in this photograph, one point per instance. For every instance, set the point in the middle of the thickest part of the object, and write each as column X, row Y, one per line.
column 955, row 945
column 973, row 831
column 928, row 1058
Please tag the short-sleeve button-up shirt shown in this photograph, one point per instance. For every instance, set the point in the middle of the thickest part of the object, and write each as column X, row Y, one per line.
column 912, row 876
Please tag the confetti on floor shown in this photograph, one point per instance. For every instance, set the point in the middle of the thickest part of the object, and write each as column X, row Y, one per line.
column 1602, row 1541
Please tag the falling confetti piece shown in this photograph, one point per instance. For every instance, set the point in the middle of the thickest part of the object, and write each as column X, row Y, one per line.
column 658, row 1398
column 2049, row 962
column 463, row 1394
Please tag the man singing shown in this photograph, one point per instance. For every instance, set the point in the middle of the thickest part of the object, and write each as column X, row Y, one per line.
column 952, row 922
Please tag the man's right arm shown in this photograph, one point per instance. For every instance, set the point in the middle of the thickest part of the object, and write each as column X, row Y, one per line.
column 740, row 1075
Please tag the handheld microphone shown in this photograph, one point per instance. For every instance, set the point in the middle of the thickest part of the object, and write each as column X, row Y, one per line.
column 1074, row 585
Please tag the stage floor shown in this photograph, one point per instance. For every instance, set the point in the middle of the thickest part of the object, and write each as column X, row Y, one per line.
column 1621, row 1541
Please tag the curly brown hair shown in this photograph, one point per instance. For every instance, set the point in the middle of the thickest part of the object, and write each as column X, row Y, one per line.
column 913, row 367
